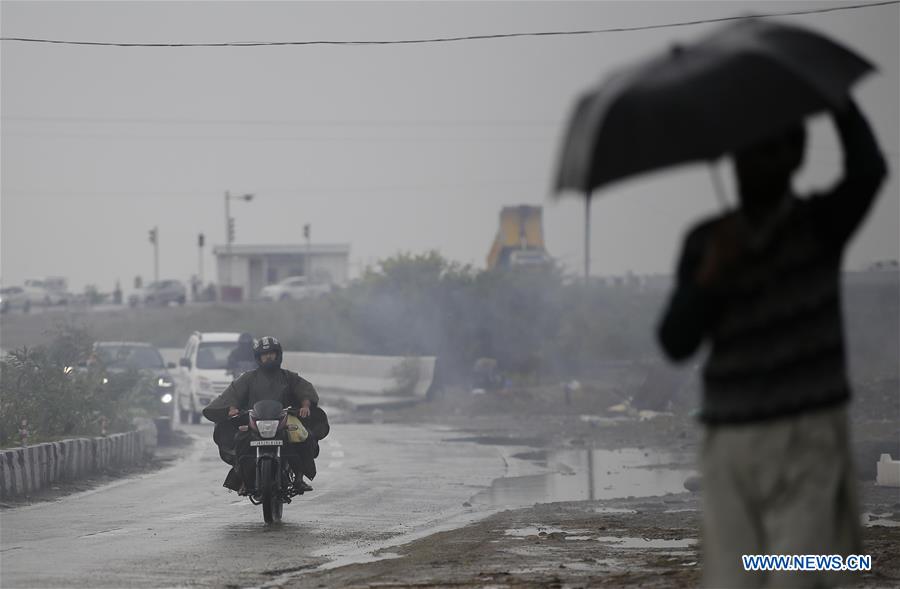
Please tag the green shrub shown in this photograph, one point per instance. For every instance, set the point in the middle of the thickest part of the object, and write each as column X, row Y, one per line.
column 46, row 386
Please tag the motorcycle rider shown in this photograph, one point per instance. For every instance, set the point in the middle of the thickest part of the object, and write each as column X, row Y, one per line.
column 267, row 382
column 241, row 359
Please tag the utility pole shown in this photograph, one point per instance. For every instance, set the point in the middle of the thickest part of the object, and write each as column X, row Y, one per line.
column 587, row 238
column 229, row 235
column 154, row 239
column 229, row 227
column 201, row 240
column 307, row 264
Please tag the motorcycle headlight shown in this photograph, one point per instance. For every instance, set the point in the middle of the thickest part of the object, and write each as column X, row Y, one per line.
column 167, row 398
column 164, row 382
column 267, row 428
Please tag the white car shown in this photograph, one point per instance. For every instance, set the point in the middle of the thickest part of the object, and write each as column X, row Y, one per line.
column 202, row 375
column 14, row 297
column 293, row 287
column 47, row 292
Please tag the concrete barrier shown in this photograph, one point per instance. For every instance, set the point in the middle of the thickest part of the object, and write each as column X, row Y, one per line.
column 26, row 470
column 888, row 472
column 358, row 374
column 350, row 373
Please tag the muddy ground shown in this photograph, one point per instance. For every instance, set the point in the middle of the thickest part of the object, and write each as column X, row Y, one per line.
column 649, row 542
column 627, row 541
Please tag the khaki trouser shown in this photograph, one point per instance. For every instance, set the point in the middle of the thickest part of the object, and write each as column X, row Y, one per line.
column 778, row 487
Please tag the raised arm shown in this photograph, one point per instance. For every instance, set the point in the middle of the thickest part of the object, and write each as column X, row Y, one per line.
column 841, row 211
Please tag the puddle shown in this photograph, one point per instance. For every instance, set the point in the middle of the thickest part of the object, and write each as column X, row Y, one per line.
column 532, row 531
column 632, row 542
column 870, row 519
column 596, row 566
column 589, row 474
column 540, row 531
column 535, row 456
column 614, row 510
column 501, row 441
column 585, row 536
column 602, row 420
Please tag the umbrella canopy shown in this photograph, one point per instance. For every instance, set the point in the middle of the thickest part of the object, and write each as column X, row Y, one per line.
column 746, row 81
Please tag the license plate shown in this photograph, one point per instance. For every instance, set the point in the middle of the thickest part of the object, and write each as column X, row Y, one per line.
column 266, row 442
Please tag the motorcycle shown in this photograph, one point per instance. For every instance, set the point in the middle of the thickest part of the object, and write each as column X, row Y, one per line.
column 268, row 424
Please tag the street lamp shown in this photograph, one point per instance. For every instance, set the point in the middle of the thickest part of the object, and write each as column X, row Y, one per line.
column 229, row 225
column 154, row 239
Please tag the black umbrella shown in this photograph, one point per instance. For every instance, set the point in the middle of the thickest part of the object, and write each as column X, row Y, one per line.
column 744, row 82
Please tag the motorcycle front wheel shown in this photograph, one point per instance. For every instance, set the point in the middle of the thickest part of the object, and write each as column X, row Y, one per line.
column 269, row 492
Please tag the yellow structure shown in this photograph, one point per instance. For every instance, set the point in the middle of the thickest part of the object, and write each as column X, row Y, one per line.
column 520, row 238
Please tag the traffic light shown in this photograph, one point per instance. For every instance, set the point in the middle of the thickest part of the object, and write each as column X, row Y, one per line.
column 306, row 231
column 153, row 235
column 230, row 229
column 200, row 240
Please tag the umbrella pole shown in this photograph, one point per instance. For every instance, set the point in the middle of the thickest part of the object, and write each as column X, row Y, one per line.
column 718, row 184
column 587, row 237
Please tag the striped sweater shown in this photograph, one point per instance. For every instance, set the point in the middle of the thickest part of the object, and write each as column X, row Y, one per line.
column 773, row 320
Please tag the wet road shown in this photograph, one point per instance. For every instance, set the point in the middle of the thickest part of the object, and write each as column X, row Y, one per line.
column 377, row 485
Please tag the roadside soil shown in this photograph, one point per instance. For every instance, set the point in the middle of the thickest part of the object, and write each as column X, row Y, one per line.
column 650, row 542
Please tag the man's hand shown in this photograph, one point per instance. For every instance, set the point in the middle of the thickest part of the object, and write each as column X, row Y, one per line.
column 723, row 248
column 304, row 408
column 232, row 411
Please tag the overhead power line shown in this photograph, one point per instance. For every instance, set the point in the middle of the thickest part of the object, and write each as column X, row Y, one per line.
column 393, row 123
column 461, row 38
column 484, row 184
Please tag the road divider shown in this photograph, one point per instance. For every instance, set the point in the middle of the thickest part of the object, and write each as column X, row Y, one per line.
column 356, row 374
column 364, row 375
column 26, row 470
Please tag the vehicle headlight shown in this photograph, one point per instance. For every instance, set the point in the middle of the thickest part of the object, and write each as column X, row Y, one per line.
column 68, row 369
column 267, row 428
column 105, row 380
column 167, row 398
column 164, row 383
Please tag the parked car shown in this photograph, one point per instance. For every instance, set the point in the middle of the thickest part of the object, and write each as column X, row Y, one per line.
column 47, row 291
column 203, row 372
column 14, row 297
column 120, row 357
column 159, row 293
column 293, row 287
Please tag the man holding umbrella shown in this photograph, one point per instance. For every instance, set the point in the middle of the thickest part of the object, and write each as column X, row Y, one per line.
column 762, row 286
column 759, row 284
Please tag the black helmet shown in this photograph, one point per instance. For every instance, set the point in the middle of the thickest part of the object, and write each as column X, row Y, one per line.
column 266, row 345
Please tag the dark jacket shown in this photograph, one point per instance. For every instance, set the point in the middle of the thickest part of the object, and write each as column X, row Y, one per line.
column 259, row 385
column 774, row 319
column 241, row 360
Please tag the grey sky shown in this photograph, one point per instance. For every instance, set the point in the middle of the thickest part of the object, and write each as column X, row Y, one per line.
column 388, row 148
